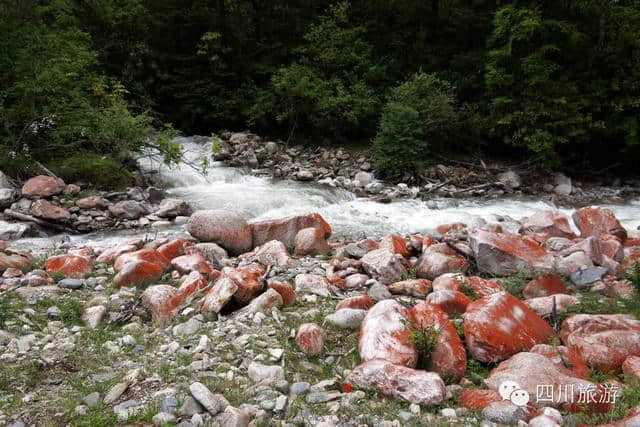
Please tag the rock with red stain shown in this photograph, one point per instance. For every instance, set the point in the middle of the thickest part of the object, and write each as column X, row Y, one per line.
column 185, row 264
column 248, row 279
column 448, row 228
column 218, row 296
column 285, row 290
column 603, row 341
column 418, row 288
column 449, row 282
column 561, row 391
column 138, row 272
column 619, row 289
column 311, row 241
column 363, row 302
column 310, row 338
column 543, row 306
column 503, row 254
column 612, row 247
column 631, row 255
column 631, row 369
column 395, row 244
column 110, row 254
column 42, row 186
column 474, row 398
column 500, row 325
column 593, row 221
column 48, row 211
column 174, row 248
column 145, row 254
column 453, row 303
column 413, row 385
column 355, row 281
column 286, row 229
column 473, row 285
column 216, row 255
column 545, row 285
column 21, row 261
column 312, row 284
column 566, row 359
column 439, row 259
column 546, row 224
column 225, row 228
column 273, row 252
column 92, row 202
column 264, row 302
column 165, row 301
column 385, row 334
column 448, row 357
column 384, row 265
column 75, row 266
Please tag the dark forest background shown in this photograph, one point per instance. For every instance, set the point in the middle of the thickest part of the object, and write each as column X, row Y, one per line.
column 85, row 84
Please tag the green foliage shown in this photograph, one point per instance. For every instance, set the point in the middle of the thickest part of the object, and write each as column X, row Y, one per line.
column 515, row 283
column 424, row 340
column 418, row 112
column 101, row 171
column 328, row 89
column 633, row 274
column 627, row 398
column 70, row 311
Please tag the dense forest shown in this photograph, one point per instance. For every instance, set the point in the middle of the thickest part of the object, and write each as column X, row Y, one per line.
column 85, row 84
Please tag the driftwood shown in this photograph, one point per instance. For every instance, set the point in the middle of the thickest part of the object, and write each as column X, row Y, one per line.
column 24, row 217
column 432, row 189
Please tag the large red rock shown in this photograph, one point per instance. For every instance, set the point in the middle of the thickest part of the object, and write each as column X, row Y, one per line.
column 70, row 265
column 363, row 302
column 545, row 285
column 418, row 288
column 503, row 254
column 439, row 259
column 593, row 221
column 413, row 385
column 138, row 272
column 474, row 398
column 384, row 334
column 21, row 261
column 448, row 358
column 158, row 299
column 395, row 244
column 311, row 241
column 448, row 228
column 560, row 390
column 42, row 186
column 631, row 369
column 48, row 211
column 546, row 224
column 286, row 229
column 472, row 285
column 612, row 247
column 384, row 265
column 603, row 341
column 500, row 325
column 185, row 264
column 449, row 282
column 453, row 303
column 218, row 296
column 285, row 290
column 310, row 338
column 145, row 254
column 566, row 359
column 225, row 228
column 273, row 252
column 174, row 248
column 248, row 280
column 543, row 306
column 110, row 254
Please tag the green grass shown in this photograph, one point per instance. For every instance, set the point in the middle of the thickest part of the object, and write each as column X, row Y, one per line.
column 592, row 303
column 516, row 283
column 629, row 398
column 424, row 340
column 633, row 274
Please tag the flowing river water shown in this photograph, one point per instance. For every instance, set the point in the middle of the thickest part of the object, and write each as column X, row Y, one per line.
column 259, row 197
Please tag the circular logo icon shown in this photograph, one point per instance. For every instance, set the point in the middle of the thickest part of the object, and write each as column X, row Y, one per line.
column 510, row 390
column 519, row 397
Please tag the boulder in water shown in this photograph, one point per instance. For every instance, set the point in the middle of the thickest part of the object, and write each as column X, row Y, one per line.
column 225, row 228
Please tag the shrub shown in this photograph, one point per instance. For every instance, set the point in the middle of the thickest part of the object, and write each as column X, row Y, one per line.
column 101, row 171
column 400, row 142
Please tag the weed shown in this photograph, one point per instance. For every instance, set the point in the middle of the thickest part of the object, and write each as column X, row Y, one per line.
column 516, row 283
column 424, row 340
column 478, row 371
column 633, row 274
column 626, row 399
column 412, row 274
column 70, row 311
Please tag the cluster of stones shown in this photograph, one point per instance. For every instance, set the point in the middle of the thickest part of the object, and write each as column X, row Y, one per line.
column 391, row 290
column 338, row 168
column 50, row 203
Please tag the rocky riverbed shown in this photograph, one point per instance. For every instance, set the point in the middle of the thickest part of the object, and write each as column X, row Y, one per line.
column 279, row 322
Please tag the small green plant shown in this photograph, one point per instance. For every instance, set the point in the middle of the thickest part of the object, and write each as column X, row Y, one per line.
column 625, row 399
column 425, row 340
column 412, row 274
column 216, row 146
column 516, row 283
column 633, row 274
column 57, row 276
column 70, row 311
column 478, row 371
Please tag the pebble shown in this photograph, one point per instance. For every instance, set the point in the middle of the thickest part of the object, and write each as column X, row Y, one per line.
column 298, row 388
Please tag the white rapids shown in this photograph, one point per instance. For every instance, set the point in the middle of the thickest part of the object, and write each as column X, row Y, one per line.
column 258, row 197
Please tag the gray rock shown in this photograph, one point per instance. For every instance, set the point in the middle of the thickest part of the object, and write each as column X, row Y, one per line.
column 171, row 208
column 13, row 230
column 510, row 179
column 282, row 386
column 587, row 276
column 7, row 197
column 115, row 392
column 384, row 265
column 212, row 403
column 298, row 388
column 504, row 412
column 16, row 423
column 322, row 396
column 163, row 418
column 189, row 407
column 127, row 409
column 53, row 312
column 312, row 283
column 127, row 209
column 347, row 318
column 5, row 181
column 92, row 399
column 233, row 417
column 363, row 178
column 304, row 175
column 379, row 292
column 259, row 372
column 70, row 283
column 189, row 327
